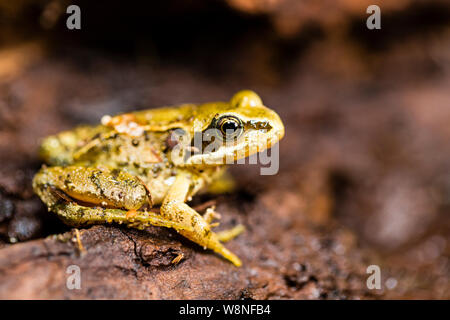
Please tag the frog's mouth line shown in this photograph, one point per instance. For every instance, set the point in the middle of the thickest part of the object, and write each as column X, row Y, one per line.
column 221, row 154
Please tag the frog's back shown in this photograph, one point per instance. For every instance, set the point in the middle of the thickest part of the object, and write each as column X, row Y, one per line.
column 58, row 149
column 100, row 145
column 143, row 156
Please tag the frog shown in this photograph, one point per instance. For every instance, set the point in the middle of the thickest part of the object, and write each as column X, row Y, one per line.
column 121, row 169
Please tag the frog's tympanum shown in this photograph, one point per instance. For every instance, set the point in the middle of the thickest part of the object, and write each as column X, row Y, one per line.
column 118, row 170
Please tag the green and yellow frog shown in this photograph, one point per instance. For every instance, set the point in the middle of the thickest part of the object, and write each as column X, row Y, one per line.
column 118, row 170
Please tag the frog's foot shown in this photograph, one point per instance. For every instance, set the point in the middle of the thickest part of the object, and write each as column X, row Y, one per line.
column 210, row 215
column 174, row 209
column 225, row 235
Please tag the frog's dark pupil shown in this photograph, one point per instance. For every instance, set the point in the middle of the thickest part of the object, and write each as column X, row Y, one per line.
column 229, row 127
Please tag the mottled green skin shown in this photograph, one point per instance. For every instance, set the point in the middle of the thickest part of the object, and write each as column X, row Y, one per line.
column 145, row 157
column 106, row 173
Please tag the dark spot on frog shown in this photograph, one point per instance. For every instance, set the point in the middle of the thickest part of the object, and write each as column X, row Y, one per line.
column 135, row 142
column 258, row 125
column 115, row 173
column 96, row 181
column 156, row 170
column 68, row 184
column 193, row 221
column 112, row 137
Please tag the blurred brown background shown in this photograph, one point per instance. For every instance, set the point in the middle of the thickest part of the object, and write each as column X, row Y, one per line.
column 364, row 167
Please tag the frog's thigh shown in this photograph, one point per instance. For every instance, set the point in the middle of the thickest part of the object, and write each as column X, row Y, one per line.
column 106, row 188
column 76, row 215
column 174, row 209
column 48, row 186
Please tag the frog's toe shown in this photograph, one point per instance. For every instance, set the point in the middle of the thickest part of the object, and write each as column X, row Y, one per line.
column 229, row 234
column 227, row 254
column 210, row 215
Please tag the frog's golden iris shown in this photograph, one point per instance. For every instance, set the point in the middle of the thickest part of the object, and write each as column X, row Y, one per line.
column 114, row 171
column 231, row 127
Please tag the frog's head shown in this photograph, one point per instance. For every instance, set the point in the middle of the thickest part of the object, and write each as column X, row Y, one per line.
column 233, row 130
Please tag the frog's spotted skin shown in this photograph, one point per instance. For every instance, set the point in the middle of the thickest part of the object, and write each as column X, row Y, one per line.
column 116, row 171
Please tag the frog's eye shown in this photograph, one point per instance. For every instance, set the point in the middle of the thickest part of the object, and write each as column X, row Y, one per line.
column 231, row 127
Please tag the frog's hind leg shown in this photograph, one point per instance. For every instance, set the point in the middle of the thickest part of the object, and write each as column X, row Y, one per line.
column 93, row 186
column 78, row 209
column 174, row 209
column 77, row 201
column 76, row 215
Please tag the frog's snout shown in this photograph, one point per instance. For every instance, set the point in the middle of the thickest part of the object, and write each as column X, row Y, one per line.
column 277, row 126
column 250, row 100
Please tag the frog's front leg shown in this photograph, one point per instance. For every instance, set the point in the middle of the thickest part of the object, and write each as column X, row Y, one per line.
column 175, row 209
column 83, row 196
